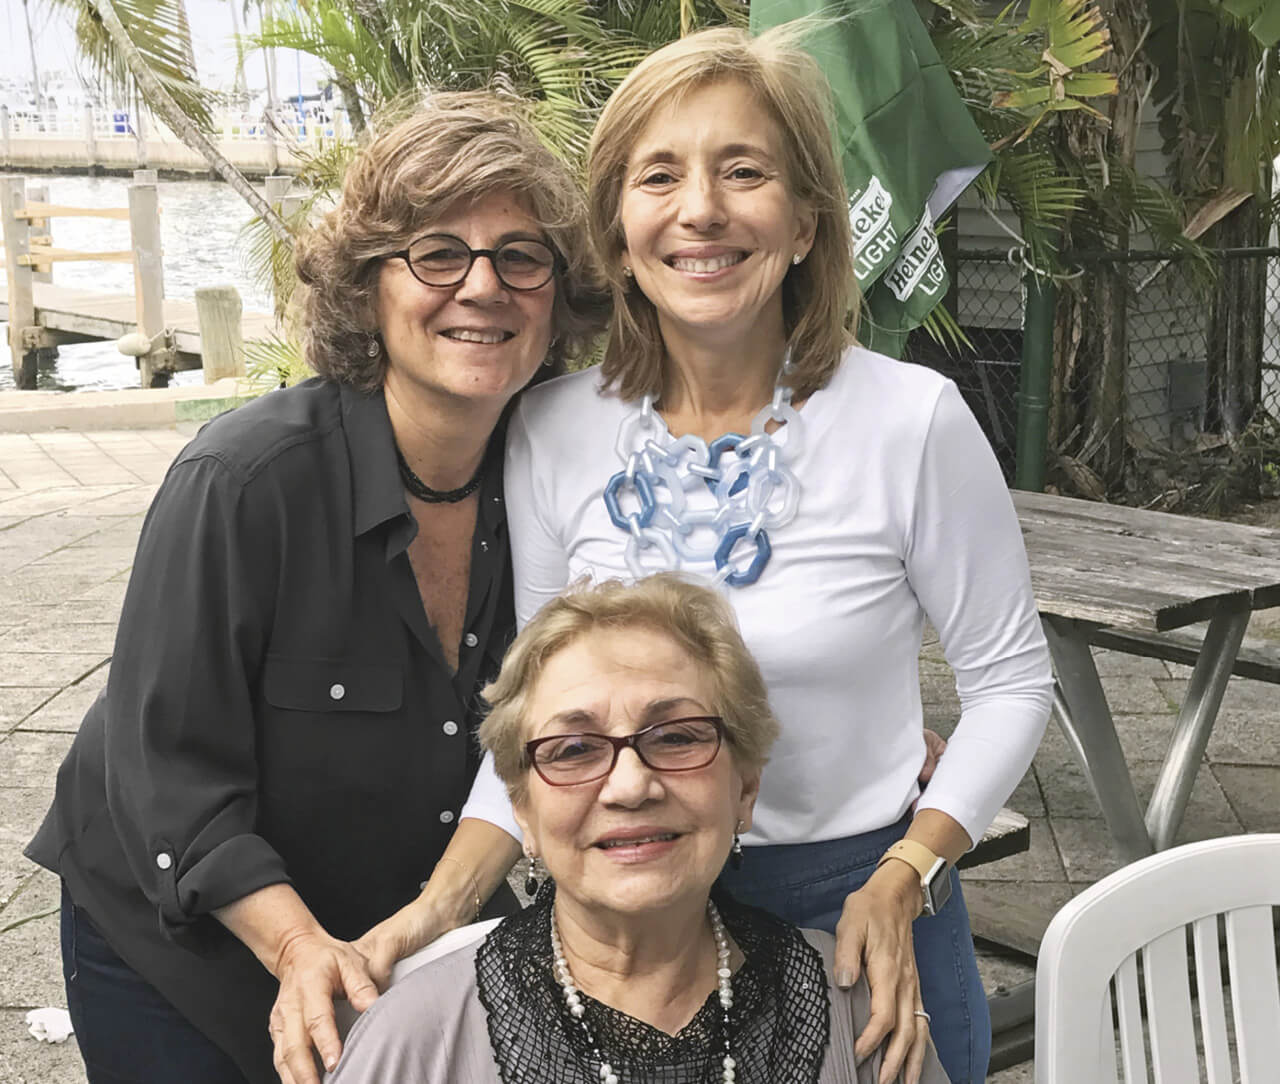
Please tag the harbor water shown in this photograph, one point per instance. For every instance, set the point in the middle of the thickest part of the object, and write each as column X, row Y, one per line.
column 201, row 225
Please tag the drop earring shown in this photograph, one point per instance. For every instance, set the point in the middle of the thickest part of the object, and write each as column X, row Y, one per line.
column 735, row 852
column 531, row 882
column 372, row 347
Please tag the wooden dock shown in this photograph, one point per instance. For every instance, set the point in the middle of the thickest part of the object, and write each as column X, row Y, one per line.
column 75, row 316
column 163, row 335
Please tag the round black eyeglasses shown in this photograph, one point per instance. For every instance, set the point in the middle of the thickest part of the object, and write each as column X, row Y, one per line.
column 676, row 745
column 440, row 259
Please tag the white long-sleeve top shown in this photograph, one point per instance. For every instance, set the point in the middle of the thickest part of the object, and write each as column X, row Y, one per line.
column 903, row 514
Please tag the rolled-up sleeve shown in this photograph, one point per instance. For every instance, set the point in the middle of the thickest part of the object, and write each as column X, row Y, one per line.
column 180, row 739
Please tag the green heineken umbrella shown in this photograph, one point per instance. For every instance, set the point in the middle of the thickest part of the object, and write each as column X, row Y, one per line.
column 910, row 148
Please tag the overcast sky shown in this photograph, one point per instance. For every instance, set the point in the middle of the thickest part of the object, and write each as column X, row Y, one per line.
column 211, row 30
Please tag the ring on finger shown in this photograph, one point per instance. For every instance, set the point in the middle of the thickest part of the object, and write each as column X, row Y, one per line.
column 922, row 1014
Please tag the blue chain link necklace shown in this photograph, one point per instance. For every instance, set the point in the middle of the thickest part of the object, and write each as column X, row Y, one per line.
column 713, row 504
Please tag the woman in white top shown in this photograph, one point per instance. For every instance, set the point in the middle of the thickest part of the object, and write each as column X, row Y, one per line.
column 864, row 501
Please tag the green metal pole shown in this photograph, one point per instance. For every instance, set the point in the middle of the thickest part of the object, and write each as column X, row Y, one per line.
column 1034, row 381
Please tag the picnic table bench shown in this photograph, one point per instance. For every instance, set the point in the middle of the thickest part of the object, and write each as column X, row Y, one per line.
column 1256, row 659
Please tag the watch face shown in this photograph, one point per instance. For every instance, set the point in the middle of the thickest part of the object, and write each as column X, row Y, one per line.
column 937, row 888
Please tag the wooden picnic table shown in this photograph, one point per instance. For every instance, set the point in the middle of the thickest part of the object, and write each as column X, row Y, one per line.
column 1106, row 574
column 1134, row 581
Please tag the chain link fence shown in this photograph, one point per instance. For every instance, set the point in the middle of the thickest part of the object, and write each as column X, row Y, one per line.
column 987, row 299
column 1165, row 381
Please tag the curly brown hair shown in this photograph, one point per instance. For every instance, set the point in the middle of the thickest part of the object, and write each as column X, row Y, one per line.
column 454, row 147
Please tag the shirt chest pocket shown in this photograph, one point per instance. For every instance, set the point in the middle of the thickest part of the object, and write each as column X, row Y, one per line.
column 331, row 685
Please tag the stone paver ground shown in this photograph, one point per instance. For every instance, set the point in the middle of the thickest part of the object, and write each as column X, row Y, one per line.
column 71, row 506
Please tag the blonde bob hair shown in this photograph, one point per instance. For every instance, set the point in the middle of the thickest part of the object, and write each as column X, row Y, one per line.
column 452, row 148
column 694, row 617
column 820, row 295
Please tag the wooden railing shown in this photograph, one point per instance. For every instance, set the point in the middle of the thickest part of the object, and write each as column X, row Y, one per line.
column 29, row 253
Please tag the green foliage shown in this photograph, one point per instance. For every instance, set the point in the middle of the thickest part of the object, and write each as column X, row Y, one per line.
column 274, row 362
column 564, row 56
column 1261, row 16
column 1074, row 34
column 996, row 63
column 1217, row 96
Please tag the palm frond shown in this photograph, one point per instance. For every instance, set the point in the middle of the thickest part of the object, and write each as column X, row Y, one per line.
column 159, row 31
column 943, row 328
column 1262, row 17
column 1074, row 34
column 274, row 362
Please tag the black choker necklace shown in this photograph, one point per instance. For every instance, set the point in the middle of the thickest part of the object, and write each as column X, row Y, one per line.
column 424, row 492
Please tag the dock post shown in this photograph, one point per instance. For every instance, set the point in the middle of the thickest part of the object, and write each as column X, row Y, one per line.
column 277, row 193
column 219, row 311
column 277, row 187
column 155, row 366
column 140, row 137
column 41, row 234
column 24, row 335
column 6, row 132
column 90, row 141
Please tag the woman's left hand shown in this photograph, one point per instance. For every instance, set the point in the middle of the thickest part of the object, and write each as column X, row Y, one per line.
column 874, row 935
column 413, row 927
column 934, row 746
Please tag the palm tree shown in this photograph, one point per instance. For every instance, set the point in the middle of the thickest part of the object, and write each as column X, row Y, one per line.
column 31, row 48
column 1217, row 79
column 153, row 53
column 1216, row 89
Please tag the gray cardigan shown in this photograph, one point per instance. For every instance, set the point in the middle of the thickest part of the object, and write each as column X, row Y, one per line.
column 430, row 1028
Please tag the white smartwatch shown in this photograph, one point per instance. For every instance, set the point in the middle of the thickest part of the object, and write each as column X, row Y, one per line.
column 934, row 872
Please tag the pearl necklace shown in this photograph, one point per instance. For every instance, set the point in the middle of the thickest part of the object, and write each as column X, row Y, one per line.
column 724, row 983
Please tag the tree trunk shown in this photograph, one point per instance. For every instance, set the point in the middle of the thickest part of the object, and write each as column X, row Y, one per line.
column 240, row 85
column 1236, row 325
column 1237, row 311
column 35, row 68
column 370, row 13
column 1107, row 312
column 181, row 125
column 351, row 102
column 1107, row 306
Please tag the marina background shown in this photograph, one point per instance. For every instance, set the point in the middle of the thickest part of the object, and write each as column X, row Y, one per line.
column 201, row 223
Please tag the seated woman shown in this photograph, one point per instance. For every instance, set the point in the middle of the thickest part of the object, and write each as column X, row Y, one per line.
column 630, row 725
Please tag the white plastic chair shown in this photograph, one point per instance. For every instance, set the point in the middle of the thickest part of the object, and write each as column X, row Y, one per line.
column 1140, row 916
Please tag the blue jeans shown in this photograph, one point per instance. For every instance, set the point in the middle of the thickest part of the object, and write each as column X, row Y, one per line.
column 806, row 883
column 127, row 1031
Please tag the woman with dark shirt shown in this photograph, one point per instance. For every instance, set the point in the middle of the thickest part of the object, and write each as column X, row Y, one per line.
column 321, row 586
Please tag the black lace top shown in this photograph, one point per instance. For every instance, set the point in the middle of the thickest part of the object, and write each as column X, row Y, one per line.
column 778, row 1030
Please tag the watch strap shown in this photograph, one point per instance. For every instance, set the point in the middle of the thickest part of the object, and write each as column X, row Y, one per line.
column 914, row 854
